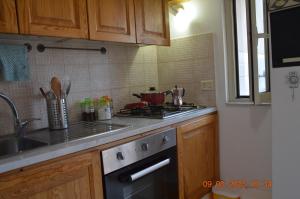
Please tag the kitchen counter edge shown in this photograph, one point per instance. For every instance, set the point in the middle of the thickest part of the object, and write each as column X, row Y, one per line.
column 137, row 126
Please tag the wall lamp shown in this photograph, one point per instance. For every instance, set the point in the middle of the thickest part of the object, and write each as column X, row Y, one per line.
column 176, row 5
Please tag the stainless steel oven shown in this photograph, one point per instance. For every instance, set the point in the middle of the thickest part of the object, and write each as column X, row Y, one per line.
column 142, row 169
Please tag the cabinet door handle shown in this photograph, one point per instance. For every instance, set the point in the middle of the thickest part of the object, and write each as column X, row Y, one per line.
column 148, row 170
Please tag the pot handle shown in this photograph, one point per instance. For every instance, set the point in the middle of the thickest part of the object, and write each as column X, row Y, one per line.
column 168, row 92
column 136, row 95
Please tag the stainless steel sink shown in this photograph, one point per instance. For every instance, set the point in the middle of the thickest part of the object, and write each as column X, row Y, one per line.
column 12, row 145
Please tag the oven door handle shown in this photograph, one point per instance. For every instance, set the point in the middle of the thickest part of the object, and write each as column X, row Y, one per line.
column 144, row 172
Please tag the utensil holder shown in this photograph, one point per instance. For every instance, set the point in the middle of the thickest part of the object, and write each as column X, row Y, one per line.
column 57, row 114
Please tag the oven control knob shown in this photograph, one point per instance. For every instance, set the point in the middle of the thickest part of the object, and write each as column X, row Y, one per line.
column 166, row 139
column 120, row 156
column 145, row 147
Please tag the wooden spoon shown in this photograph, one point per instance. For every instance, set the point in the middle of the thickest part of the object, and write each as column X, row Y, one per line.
column 56, row 87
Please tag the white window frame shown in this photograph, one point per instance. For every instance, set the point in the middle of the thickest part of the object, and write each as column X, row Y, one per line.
column 232, row 94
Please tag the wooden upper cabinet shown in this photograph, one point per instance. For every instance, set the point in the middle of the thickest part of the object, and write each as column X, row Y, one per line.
column 197, row 143
column 62, row 18
column 112, row 20
column 74, row 177
column 8, row 17
column 152, row 22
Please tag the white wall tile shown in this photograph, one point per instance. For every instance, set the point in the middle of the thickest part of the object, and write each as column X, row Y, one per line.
column 135, row 55
column 186, row 63
column 136, row 74
column 100, row 76
column 124, row 70
column 119, row 73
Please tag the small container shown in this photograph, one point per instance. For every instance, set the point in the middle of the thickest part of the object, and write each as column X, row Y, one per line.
column 88, row 113
column 104, row 108
column 92, row 111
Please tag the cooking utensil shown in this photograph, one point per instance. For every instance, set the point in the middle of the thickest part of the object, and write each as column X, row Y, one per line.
column 66, row 82
column 68, row 88
column 56, row 87
column 43, row 92
column 152, row 97
column 177, row 95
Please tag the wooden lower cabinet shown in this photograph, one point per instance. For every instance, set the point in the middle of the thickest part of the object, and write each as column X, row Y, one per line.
column 76, row 177
column 198, row 159
column 79, row 176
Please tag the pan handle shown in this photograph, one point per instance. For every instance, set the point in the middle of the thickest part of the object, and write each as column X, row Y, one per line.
column 136, row 95
column 168, row 92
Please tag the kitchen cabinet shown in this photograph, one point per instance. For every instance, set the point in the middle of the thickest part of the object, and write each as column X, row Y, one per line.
column 8, row 17
column 112, row 20
column 67, row 18
column 78, row 177
column 198, row 159
column 127, row 21
column 152, row 22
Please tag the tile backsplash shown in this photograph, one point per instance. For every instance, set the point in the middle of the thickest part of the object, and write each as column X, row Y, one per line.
column 189, row 63
column 119, row 73
column 122, row 71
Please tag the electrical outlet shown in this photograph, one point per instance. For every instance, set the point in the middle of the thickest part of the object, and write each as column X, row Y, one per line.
column 207, row 85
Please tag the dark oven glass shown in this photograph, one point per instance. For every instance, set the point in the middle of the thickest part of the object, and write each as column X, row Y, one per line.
column 160, row 184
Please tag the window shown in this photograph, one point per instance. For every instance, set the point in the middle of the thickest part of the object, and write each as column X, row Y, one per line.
column 247, row 51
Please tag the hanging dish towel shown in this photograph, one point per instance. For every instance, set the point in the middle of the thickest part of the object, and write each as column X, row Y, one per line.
column 13, row 63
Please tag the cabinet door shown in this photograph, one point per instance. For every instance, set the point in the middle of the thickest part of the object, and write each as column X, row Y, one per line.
column 8, row 17
column 61, row 18
column 197, row 156
column 152, row 22
column 112, row 20
column 76, row 177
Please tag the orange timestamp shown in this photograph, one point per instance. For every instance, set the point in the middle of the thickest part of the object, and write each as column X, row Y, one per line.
column 238, row 184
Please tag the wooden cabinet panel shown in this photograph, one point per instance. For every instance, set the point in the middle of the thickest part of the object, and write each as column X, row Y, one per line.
column 8, row 17
column 112, row 20
column 76, row 177
column 152, row 22
column 197, row 156
column 67, row 18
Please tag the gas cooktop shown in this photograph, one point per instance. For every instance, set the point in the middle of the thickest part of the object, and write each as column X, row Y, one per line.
column 159, row 112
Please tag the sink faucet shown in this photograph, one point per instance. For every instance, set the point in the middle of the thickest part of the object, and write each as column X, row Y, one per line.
column 19, row 125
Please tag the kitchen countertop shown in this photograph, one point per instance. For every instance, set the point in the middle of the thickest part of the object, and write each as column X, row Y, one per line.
column 135, row 126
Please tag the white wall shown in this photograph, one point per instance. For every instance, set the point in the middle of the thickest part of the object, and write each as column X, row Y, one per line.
column 245, row 131
column 285, row 136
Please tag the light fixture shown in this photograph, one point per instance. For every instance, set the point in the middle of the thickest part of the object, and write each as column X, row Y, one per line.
column 176, row 5
column 185, row 16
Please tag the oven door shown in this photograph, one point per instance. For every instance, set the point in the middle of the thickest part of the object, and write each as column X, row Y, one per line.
column 152, row 178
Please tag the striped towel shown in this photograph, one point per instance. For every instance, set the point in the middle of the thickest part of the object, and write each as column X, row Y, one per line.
column 13, row 63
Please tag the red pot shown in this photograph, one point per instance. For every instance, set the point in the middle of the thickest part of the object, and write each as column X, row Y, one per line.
column 152, row 98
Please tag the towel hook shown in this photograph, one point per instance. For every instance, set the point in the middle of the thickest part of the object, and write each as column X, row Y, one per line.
column 28, row 46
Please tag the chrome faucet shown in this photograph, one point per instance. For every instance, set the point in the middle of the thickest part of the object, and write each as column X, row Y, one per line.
column 19, row 125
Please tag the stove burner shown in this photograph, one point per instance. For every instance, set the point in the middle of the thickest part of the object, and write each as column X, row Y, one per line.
column 159, row 111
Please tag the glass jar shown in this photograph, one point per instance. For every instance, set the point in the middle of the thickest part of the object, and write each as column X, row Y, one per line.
column 105, row 108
